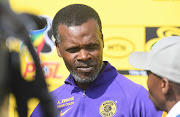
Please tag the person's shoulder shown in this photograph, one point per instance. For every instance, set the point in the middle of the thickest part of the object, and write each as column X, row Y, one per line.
column 37, row 112
column 129, row 87
column 57, row 91
column 124, row 82
column 138, row 98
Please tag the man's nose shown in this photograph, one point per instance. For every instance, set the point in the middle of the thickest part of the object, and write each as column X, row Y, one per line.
column 83, row 55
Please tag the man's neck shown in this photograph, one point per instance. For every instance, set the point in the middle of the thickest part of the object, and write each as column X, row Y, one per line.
column 83, row 86
column 171, row 103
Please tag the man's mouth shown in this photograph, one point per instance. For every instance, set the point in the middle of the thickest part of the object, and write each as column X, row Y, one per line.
column 84, row 68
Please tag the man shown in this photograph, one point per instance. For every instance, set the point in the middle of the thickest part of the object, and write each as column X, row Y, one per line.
column 94, row 88
column 163, row 68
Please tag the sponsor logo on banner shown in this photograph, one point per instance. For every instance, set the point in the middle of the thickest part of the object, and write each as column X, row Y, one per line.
column 108, row 108
column 42, row 40
column 118, row 47
column 50, row 69
column 153, row 34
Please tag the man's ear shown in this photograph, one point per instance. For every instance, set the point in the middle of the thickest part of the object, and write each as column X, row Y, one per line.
column 58, row 49
column 165, row 85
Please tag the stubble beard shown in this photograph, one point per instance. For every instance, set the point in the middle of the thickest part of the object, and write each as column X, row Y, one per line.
column 89, row 79
column 77, row 78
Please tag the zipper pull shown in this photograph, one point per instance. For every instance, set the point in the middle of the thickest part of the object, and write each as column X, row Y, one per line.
column 84, row 93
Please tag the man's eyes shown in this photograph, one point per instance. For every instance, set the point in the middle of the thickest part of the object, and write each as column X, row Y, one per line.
column 77, row 49
column 73, row 50
column 93, row 46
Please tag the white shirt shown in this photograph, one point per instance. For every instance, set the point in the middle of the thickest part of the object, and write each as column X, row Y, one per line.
column 175, row 110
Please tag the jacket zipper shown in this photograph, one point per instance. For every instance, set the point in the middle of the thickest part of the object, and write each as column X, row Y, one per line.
column 83, row 104
column 84, row 93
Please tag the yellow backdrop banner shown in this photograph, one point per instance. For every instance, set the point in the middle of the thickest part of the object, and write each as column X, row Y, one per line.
column 128, row 25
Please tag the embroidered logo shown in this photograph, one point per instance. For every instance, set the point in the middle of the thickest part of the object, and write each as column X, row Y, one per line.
column 107, row 108
column 62, row 113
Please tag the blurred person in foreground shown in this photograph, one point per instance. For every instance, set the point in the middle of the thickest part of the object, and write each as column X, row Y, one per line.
column 94, row 88
column 163, row 68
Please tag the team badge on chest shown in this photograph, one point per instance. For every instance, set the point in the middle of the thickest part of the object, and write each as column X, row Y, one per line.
column 107, row 108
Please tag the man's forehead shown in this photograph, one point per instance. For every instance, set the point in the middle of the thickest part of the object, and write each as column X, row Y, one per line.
column 87, row 28
column 73, row 24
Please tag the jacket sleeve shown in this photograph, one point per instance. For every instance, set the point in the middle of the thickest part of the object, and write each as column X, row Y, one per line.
column 37, row 112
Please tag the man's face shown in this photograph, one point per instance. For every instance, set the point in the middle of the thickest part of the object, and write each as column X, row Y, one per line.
column 81, row 48
column 155, row 94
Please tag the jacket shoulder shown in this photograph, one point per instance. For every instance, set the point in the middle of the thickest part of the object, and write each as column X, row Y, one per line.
column 137, row 96
column 58, row 91
column 127, row 85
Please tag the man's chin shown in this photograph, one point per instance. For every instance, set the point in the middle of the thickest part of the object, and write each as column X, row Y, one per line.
column 157, row 108
column 155, row 105
column 84, row 78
